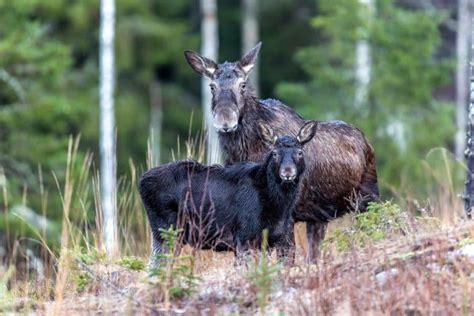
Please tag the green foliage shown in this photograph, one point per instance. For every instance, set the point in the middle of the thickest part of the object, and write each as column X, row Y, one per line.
column 262, row 275
column 175, row 273
column 401, row 117
column 82, row 281
column 380, row 221
column 91, row 256
column 132, row 263
column 49, row 85
column 466, row 241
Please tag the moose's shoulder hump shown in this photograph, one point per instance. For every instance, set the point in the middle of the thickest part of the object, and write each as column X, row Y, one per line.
column 272, row 102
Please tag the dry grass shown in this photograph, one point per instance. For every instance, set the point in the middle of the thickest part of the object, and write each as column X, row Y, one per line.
column 415, row 271
column 410, row 275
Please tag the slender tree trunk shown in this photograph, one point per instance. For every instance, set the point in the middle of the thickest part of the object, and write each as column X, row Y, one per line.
column 469, row 190
column 209, row 49
column 250, row 34
column 363, row 58
column 155, row 122
column 107, row 127
column 462, row 75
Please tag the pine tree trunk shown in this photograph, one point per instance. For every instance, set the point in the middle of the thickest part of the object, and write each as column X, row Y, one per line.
column 462, row 75
column 155, row 122
column 250, row 35
column 209, row 49
column 107, row 128
column 469, row 190
column 363, row 58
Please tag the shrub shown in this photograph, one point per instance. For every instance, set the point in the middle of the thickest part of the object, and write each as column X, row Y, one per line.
column 175, row 274
column 380, row 221
column 132, row 263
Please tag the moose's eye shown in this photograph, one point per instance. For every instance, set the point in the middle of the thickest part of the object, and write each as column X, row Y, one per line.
column 275, row 154
column 243, row 86
column 300, row 153
column 213, row 88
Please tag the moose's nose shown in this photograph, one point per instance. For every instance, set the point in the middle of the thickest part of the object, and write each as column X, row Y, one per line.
column 226, row 128
column 288, row 173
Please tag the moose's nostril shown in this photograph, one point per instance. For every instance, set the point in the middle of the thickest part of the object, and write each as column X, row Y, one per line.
column 288, row 173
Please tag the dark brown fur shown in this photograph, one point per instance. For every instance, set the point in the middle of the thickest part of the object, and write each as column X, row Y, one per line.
column 340, row 171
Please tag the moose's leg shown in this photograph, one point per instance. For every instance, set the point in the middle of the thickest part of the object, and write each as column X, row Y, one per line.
column 241, row 250
column 369, row 188
column 158, row 222
column 315, row 233
column 285, row 246
column 368, row 192
column 157, row 241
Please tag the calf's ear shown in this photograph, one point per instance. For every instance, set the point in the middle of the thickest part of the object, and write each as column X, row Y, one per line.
column 307, row 132
column 248, row 61
column 267, row 134
column 202, row 65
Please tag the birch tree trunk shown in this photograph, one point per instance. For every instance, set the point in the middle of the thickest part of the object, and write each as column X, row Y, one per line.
column 462, row 75
column 469, row 190
column 107, row 128
column 155, row 122
column 209, row 49
column 250, row 36
column 363, row 57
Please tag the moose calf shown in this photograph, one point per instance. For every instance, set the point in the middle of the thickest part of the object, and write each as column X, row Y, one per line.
column 227, row 208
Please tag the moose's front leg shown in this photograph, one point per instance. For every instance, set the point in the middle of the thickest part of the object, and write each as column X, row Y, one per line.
column 241, row 250
column 285, row 246
column 315, row 233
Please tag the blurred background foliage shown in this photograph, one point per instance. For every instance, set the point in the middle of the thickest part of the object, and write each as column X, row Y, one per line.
column 49, row 80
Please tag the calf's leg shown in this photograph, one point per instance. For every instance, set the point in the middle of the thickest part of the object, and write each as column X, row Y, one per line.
column 315, row 233
column 285, row 246
column 157, row 244
column 241, row 250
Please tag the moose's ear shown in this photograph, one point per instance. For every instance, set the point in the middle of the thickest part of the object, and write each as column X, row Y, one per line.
column 267, row 134
column 202, row 65
column 248, row 61
column 307, row 132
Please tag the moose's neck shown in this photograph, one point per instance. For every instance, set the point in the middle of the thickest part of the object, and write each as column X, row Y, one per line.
column 245, row 143
column 281, row 195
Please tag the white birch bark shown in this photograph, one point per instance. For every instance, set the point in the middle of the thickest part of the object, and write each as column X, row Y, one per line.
column 107, row 128
column 363, row 58
column 250, row 31
column 209, row 49
column 155, row 122
column 462, row 75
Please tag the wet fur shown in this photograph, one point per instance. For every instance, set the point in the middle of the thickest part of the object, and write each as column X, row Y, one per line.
column 341, row 168
column 341, row 172
column 244, row 199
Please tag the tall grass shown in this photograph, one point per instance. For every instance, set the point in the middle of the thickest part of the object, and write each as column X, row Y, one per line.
column 80, row 230
column 80, row 227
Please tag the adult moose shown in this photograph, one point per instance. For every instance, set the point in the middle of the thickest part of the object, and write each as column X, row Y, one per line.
column 341, row 171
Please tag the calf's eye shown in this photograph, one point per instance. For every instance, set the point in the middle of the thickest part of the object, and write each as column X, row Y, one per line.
column 275, row 154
